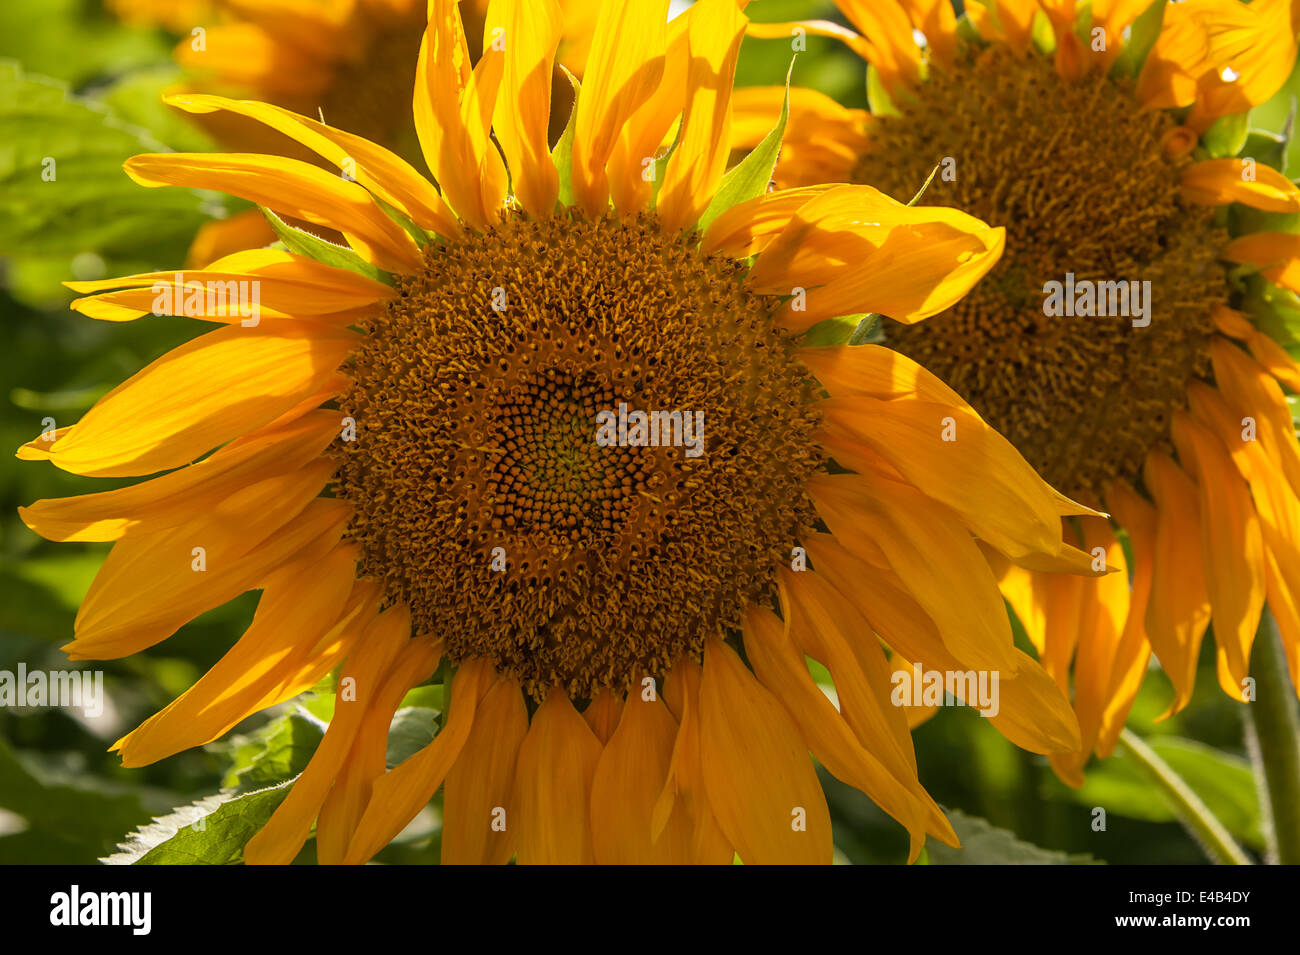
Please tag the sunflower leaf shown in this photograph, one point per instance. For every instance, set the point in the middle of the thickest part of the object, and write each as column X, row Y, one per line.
column 212, row 831
column 314, row 247
column 61, row 180
column 749, row 178
column 985, row 844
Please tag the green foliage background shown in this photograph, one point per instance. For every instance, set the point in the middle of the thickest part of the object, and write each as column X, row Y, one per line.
column 80, row 86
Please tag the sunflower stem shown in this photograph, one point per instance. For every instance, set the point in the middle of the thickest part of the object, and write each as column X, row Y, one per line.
column 1273, row 739
column 1208, row 831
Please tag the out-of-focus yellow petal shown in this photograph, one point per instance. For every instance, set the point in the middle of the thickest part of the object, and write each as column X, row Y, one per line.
column 1214, row 182
column 1252, row 391
column 1277, row 254
column 823, row 140
column 1138, row 518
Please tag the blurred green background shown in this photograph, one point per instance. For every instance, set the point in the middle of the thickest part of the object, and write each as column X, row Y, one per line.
column 79, row 85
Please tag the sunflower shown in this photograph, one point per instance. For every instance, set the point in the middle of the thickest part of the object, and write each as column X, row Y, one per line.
column 407, row 465
column 1112, row 141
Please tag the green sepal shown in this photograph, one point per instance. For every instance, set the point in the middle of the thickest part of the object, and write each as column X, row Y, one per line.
column 1227, row 136
column 878, row 98
column 750, row 177
column 327, row 253
column 1142, row 37
column 562, row 154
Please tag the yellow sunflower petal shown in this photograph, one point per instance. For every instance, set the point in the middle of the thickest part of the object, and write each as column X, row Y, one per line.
column 624, row 69
column 384, row 173
column 453, row 112
column 200, row 395
column 149, row 586
column 1215, row 182
column 167, row 501
column 626, row 786
column 853, row 249
column 297, row 607
column 1033, row 713
column 552, row 797
column 1179, row 607
column 292, row 187
column 344, row 807
column 781, row 669
column 932, row 554
column 398, row 796
column 1138, row 518
column 757, row 773
column 696, row 167
column 531, row 33
column 359, row 686
column 480, row 829
column 1232, row 548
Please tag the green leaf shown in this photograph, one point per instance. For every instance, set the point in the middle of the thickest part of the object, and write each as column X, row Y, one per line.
column 314, row 247
column 412, row 729
column 212, row 831
column 1142, row 37
column 749, row 178
column 70, row 823
column 278, row 751
column 61, row 181
column 983, row 844
column 75, row 41
column 562, row 154
column 1222, row 781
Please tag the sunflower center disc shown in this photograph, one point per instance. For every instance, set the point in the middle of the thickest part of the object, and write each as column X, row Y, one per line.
column 483, row 495
column 1075, row 172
